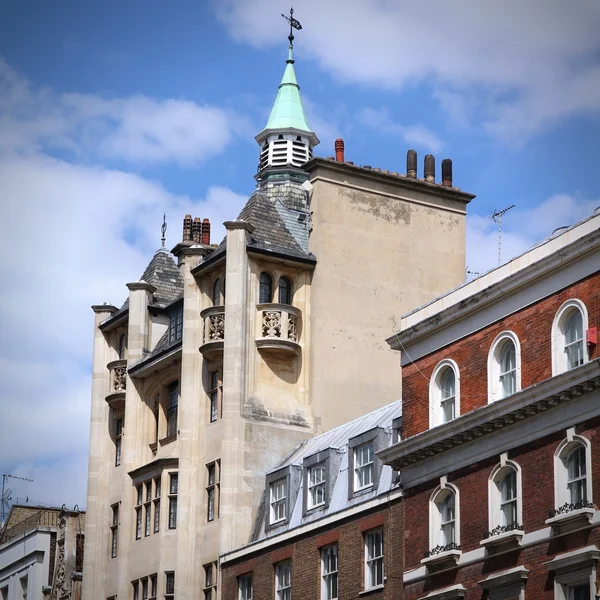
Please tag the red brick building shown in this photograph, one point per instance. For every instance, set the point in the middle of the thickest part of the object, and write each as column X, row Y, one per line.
column 331, row 522
column 500, row 452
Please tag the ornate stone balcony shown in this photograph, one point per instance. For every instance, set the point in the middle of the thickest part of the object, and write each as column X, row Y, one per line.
column 278, row 328
column 214, row 331
column 118, row 383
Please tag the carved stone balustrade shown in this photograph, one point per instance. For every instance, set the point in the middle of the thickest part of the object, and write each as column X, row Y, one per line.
column 279, row 328
column 118, row 383
column 214, row 331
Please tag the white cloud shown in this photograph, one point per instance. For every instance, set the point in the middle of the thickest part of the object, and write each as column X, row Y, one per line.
column 136, row 129
column 521, row 229
column 414, row 135
column 73, row 235
column 529, row 63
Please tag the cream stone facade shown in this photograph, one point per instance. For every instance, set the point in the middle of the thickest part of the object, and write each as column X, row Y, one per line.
column 222, row 361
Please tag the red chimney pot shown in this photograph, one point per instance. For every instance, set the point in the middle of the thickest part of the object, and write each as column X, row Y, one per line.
column 339, row 150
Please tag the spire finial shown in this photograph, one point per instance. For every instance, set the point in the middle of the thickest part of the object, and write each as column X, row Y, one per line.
column 163, row 230
column 294, row 24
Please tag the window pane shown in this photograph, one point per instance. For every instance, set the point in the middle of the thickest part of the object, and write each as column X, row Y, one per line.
column 574, row 339
column 172, row 408
column 172, row 513
column 448, row 394
column 170, row 583
column 245, row 586
column 216, row 298
column 285, row 291
column 174, row 483
column 266, row 288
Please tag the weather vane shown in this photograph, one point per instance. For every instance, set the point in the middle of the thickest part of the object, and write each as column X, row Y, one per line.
column 294, row 24
column 163, row 230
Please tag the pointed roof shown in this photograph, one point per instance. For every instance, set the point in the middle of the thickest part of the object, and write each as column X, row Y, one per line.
column 164, row 275
column 288, row 110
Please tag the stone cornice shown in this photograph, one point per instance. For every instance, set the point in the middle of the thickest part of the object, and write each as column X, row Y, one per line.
column 114, row 320
column 210, row 262
column 141, row 285
column 231, row 225
column 488, row 419
column 100, row 308
column 466, row 302
column 419, row 185
column 155, row 465
column 156, row 362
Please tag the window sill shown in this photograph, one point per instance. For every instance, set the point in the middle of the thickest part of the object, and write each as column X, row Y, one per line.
column 153, row 446
column 580, row 516
column 508, row 537
column 449, row 556
column 377, row 588
column 168, row 439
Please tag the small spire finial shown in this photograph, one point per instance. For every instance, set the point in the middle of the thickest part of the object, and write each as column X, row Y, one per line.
column 294, row 24
column 163, row 230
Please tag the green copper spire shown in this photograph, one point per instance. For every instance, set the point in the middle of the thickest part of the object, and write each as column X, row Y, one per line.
column 288, row 112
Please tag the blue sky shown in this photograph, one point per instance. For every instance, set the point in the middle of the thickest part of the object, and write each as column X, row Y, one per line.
column 113, row 112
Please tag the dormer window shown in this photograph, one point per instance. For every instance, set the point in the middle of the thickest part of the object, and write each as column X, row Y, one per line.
column 278, row 493
column 363, row 466
column 176, row 324
column 316, row 486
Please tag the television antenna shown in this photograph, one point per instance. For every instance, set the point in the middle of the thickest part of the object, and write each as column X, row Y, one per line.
column 6, row 496
column 497, row 218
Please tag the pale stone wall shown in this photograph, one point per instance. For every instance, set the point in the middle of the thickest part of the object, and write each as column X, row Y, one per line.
column 382, row 248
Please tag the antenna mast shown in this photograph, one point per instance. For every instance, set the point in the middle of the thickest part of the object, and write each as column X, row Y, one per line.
column 497, row 218
column 6, row 495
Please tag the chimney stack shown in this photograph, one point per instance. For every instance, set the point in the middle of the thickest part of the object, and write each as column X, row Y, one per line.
column 206, row 232
column 187, row 228
column 447, row 172
column 430, row 168
column 196, row 230
column 411, row 164
column 339, row 150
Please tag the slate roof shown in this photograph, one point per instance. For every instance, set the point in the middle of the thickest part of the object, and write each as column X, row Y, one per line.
column 336, row 438
column 277, row 229
column 164, row 275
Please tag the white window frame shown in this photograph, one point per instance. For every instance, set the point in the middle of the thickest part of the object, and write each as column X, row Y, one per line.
column 313, row 487
column 495, row 391
column 370, row 582
column 370, row 466
column 435, row 392
column 572, row 569
column 559, row 356
column 435, row 514
column 283, row 588
column 245, row 587
column 562, row 494
column 275, row 502
column 495, row 493
column 326, row 575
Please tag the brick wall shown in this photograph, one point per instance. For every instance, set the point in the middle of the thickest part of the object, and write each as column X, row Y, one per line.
column 532, row 325
column 304, row 553
column 536, row 460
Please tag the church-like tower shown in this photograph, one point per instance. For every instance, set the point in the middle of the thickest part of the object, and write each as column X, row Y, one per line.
column 286, row 143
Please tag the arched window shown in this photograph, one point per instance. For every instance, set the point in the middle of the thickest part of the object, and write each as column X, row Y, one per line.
column 122, row 346
column 572, row 468
column 505, row 498
column 216, row 296
column 444, row 530
column 266, row 289
column 574, row 340
column 577, row 475
column 568, row 343
column 285, row 291
column 444, row 394
column 504, row 367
